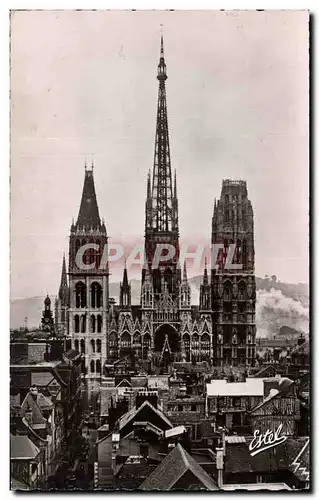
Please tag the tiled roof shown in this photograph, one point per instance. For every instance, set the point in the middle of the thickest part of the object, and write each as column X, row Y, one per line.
column 71, row 354
column 284, row 385
column 172, row 468
column 130, row 415
column 21, row 447
column 41, row 379
column 239, row 460
column 265, row 369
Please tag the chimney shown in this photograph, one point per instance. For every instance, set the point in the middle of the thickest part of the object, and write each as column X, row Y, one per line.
column 224, row 441
column 150, row 395
column 23, row 392
column 220, row 466
column 34, row 391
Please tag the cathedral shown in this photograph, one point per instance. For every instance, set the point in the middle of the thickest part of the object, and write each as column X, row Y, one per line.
column 165, row 327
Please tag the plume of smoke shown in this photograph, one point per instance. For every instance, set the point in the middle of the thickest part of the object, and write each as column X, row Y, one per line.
column 274, row 309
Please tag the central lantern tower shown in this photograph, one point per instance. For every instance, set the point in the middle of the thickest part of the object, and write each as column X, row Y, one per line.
column 161, row 276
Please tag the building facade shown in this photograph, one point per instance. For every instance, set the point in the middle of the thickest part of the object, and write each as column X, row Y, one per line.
column 165, row 327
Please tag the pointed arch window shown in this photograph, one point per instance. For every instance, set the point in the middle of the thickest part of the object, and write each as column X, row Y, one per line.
column 99, row 323
column 136, row 339
column 169, row 280
column 227, row 291
column 205, row 342
column 146, row 344
column 195, row 341
column 244, row 254
column 98, row 366
column 80, row 295
column 76, row 323
column 93, row 323
column 241, row 290
column 96, row 295
column 113, row 339
column 186, row 340
column 98, row 346
column 92, row 367
column 76, row 345
column 125, row 340
column 93, row 346
column 82, row 344
column 157, row 281
column 83, row 323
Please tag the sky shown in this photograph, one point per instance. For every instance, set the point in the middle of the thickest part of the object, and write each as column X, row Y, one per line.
column 84, row 87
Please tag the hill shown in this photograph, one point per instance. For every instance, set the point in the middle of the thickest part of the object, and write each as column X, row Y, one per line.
column 278, row 304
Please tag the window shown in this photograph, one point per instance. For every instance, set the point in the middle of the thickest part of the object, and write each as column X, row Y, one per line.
column 93, row 346
column 80, row 295
column 99, row 323
column 144, row 450
column 92, row 366
column 98, row 366
column 93, row 323
column 83, row 323
column 193, row 407
column 82, row 346
column 76, row 323
column 98, row 345
column 180, row 407
column 96, row 295
column 259, row 478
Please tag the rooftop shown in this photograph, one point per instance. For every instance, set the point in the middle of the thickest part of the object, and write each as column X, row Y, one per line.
column 251, row 387
column 173, row 467
column 21, row 447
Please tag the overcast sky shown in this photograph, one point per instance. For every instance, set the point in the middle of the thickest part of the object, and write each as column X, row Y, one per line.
column 83, row 84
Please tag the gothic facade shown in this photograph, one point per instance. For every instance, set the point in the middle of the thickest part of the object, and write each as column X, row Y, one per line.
column 165, row 326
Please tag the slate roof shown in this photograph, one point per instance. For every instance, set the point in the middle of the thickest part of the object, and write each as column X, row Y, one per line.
column 172, row 468
column 133, row 413
column 239, row 460
column 21, row 447
column 264, row 370
column 71, row 354
column 284, row 385
column 89, row 217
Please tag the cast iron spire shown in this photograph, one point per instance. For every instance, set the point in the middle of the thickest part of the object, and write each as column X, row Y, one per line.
column 163, row 213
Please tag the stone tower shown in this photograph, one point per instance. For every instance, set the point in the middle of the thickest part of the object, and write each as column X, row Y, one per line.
column 47, row 321
column 62, row 303
column 233, row 279
column 89, row 285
